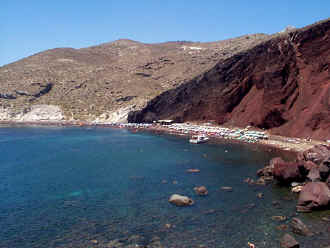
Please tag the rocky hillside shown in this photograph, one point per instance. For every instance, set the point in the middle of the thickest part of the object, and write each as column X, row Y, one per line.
column 105, row 82
column 281, row 84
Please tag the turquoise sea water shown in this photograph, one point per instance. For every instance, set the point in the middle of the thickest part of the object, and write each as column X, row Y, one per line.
column 94, row 187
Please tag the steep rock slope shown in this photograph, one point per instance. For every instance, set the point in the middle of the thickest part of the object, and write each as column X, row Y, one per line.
column 282, row 84
column 108, row 80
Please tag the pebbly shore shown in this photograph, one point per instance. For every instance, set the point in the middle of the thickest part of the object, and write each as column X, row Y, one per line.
column 248, row 135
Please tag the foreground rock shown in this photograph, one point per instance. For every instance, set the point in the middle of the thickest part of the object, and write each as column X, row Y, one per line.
column 299, row 227
column 308, row 175
column 314, row 195
column 288, row 241
column 180, row 200
column 287, row 172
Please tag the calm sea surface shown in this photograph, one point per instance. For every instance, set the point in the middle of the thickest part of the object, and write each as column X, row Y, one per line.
column 94, row 187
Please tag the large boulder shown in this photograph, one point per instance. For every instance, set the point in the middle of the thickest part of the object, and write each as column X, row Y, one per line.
column 287, row 241
column 314, row 195
column 180, row 200
column 287, row 172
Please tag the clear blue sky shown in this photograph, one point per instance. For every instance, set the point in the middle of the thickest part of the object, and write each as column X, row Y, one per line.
column 31, row 26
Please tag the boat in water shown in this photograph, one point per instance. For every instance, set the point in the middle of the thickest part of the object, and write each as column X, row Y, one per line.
column 197, row 139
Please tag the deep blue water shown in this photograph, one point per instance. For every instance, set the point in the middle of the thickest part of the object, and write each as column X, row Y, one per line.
column 65, row 187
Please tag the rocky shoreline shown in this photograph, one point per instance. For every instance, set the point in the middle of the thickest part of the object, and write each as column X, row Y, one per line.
column 308, row 175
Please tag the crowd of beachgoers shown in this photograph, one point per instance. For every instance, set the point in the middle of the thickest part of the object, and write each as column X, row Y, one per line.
column 240, row 134
column 246, row 135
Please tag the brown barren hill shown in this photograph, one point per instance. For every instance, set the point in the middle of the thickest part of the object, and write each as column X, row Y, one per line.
column 105, row 82
column 282, row 85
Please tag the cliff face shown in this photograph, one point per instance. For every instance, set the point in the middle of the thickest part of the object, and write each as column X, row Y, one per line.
column 282, row 85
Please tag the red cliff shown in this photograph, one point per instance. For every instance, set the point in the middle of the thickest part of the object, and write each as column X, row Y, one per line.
column 282, row 85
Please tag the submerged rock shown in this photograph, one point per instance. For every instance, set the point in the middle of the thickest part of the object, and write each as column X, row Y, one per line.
column 260, row 195
column 202, row 191
column 180, row 200
column 282, row 227
column 288, row 241
column 314, row 195
column 249, row 181
column 193, row 170
column 279, row 218
column 226, row 188
column 299, row 227
column 155, row 243
column 115, row 244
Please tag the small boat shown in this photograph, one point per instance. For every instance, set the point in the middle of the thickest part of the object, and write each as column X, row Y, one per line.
column 197, row 139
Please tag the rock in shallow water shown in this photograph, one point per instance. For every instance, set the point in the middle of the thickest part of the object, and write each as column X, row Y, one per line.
column 279, row 218
column 193, row 170
column 180, row 200
column 287, row 172
column 288, row 241
column 226, row 188
column 202, row 191
column 299, row 227
column 314, row 195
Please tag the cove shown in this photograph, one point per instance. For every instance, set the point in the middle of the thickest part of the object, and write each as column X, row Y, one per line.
column 103, row 187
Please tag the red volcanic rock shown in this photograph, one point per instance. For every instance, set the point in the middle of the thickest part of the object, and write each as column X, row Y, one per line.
column 282, row 84
column 314, row 174
column 328, row 181
column 267, row 171
column 308, row 165
column 299, row 227
column 287, row 172
column 305, row 167
column 314, row 195
column 324, row 171
column 317, row 154
column 275, row 160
